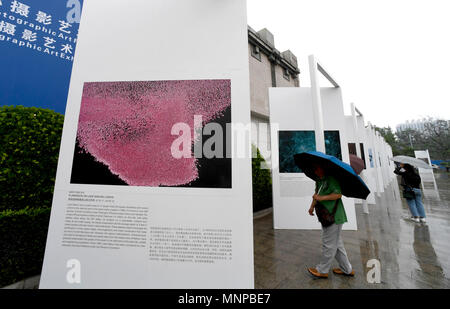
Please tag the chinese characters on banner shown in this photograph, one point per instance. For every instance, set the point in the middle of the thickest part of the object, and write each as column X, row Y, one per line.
column 30, row 27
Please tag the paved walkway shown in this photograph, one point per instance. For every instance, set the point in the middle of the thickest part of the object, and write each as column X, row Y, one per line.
column 412, row 255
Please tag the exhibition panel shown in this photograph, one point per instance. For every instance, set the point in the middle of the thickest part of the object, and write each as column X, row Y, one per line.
column 292, row 190
column 334, row 119
column 366, row 174
column 380, row 156
column 355, row 130
column 428, row 184
column 391, row 155
column 375, row 159
column 150, row 191
column 385, row 165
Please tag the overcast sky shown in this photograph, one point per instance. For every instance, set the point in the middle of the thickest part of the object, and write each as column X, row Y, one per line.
column 391, row 57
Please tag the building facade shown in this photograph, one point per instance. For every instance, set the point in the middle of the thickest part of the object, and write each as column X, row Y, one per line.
column 417, row 125
column 268, row 68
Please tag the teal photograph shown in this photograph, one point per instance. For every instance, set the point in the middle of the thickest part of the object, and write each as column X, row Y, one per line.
column 291, row 143
column 333, row 144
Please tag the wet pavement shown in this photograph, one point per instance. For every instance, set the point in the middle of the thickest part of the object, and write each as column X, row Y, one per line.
column 411, row 255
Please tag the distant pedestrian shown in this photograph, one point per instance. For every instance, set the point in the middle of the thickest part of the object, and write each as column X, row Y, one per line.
column 411, row 191
column 328, row 194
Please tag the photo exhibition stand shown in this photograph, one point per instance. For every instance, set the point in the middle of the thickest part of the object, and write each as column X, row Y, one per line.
column 387, row 164
column 306, row 119
column 429, row 186
column 383, row 160
column 374, row 156
column 358, row 146
column 154, row 220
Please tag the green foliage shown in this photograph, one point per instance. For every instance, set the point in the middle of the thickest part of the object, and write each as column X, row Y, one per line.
column 29, row 146
column 387, row 133
column 435, row 137
column 262, row 182
column 22, row 243
column 390, row 138
column 406, row 142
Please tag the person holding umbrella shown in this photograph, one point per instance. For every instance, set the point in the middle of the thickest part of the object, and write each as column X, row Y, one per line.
column 411, row 192
column 329, row 195
column 411, row 184
column 334, row 179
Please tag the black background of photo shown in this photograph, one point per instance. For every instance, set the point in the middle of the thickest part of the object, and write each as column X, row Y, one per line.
column 213, row 173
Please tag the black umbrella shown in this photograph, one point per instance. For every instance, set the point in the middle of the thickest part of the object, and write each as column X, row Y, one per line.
column 351, row 184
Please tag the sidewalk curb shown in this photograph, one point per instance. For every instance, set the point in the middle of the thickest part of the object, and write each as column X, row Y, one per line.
column 29, row 283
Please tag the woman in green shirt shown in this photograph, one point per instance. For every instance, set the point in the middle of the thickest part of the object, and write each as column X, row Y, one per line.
column 328, row 191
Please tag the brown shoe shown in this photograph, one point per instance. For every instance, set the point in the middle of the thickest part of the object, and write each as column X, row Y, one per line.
column 316, row 274
column 338, row 271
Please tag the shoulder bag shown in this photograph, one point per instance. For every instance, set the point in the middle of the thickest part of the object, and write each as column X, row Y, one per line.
column 408, row 193
column 323, row 215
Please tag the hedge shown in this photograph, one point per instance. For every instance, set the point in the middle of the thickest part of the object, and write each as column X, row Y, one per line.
column 29, row 146
column 262, row 183
column 23, row 234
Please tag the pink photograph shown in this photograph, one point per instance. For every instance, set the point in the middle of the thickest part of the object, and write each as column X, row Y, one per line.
column 124, row 134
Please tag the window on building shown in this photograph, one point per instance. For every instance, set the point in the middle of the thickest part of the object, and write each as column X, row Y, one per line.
column 256, row 53
column 286, row 74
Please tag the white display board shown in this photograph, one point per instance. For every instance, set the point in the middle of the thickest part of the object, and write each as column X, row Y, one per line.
column 393, row 166
column 383, row 160
column 376, row 159
column 167, row 60
column 355, row 136
column 371, row 169
column 423, row 155
column 366, row 174
column 428, row 181
column 291, row 112
column 389, row 163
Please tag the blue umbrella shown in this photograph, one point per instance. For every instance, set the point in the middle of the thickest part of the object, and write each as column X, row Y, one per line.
column 351, row 184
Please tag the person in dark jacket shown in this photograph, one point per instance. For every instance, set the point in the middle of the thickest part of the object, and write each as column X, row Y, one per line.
column 411, row 179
